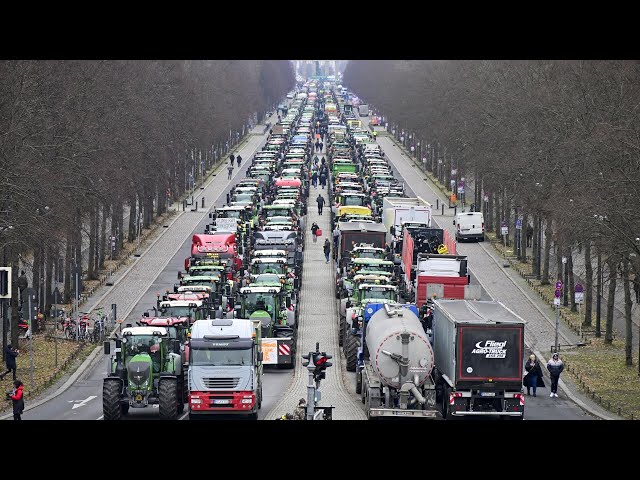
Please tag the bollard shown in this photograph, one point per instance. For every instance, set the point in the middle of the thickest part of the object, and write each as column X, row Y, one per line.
column 619, row 412
column 184, row 205
column 196, row 209
column 443, row 209
column 455, row 210
column 437, row 204
column 202, row 202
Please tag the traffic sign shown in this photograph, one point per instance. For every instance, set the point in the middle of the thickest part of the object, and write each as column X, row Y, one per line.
column 519, row 224
column 556, row 301
column 579, row 297
column 505, row 230
column 558, row 285
column 558, row 293
column 579, row 288
column 564, row 259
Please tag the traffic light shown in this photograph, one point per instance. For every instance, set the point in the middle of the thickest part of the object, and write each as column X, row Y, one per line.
column 5, row 282
column 321, row 364
column 306, row 358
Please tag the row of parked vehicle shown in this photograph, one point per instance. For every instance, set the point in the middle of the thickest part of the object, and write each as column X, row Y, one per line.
column 234, row 310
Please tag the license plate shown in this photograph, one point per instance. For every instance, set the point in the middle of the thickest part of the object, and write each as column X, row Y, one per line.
column 402, row 413
column 487, row 394
column 221, row 402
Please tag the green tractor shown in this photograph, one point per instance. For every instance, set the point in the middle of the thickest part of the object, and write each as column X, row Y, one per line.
column 144, row 371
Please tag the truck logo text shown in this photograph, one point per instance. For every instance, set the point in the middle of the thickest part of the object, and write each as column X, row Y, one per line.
column 491, row 349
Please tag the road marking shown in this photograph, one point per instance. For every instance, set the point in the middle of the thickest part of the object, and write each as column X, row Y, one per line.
column 100, row 417
column 82, row 402
column 183, row 416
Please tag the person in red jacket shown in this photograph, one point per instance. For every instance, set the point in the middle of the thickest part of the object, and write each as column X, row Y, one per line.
column 18, row 401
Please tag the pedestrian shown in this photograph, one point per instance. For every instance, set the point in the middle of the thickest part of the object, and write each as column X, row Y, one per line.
column 336, row 236
column 636, row 287
column 321, row 145
column 533, row 378
column 17, row 398
column 238, row 159
column 231, row 159
column 320, row 201
column 23, row 284
column 230, row 169
column 529, row 236
column 555, row 367
column 314, row 230
column 10, row 355
column 300, row 413
column 327, row 249
column 323, row 179
column 314, row 179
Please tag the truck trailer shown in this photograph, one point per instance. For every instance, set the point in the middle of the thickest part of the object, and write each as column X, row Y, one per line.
column 479, row 356
column 400, row 210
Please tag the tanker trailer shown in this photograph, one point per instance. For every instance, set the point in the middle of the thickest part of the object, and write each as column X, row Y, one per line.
column 396, row 362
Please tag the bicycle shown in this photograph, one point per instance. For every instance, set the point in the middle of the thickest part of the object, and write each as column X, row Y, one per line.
column 99, row 329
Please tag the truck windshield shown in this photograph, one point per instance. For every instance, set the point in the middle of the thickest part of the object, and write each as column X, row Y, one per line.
column 177, row 312
column 229, row 214
column 379, row 293
column 136, row 344
column 370, row 254
column 259, row 301
column 220, row 357
column 277, row 268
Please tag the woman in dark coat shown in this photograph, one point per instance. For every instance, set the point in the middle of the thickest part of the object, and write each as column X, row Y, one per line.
column 533, row 378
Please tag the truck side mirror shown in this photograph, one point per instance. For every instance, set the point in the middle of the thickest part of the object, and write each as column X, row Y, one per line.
column 296, row 283
column 288, row 301
column 454, row 221
column 260, row 356
column 107, row 347
column 176, row 346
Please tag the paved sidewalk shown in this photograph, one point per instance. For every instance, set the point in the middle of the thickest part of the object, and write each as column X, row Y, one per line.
column 318, row 323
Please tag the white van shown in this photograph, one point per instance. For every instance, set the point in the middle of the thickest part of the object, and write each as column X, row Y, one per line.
column 469, row 225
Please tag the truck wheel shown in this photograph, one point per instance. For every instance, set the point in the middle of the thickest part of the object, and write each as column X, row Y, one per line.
column 341, row 330
column 352, row 345
column 253, row 416
column 168, row 396
column 445, row 403
column 358, row 381
column 111, row 399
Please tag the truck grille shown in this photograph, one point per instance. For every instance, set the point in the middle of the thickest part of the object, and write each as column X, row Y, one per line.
column 220, row 382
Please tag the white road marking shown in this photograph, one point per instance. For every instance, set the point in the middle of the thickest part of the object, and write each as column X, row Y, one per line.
column 82, row 402
column 100, row 417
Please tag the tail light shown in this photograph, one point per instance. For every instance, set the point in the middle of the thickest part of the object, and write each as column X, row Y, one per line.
column 520, row 397
column 458, row 226
column 483, row 226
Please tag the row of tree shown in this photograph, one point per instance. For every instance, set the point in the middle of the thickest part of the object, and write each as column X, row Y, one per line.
column 554, row 143
column 81, row 142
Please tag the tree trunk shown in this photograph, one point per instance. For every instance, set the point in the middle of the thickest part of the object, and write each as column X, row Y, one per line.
column 67, row 269
column 133, row 215
column 628, row 303
column 523, row 237
column 78, row 239
column 15, row 292
column 489, row 218
column 534, row 246
column 572, row 285
column 49, row 280
column 559, row 265
column 588, row 288
column 612, row 263
column 547, row 252
column 92, row 244
column 103, row 235
column 37, row 257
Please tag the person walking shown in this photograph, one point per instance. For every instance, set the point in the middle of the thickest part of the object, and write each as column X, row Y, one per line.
column 238, row 159
column 320, row 201
column 533, row 378
column 10, row 355
column 17, row 399
column 314, row 230
column 231, row 159
column 23, row 284
column 336, row 237
column 321, row 145
column 636, row 287
column 323, row 178
column 230, row 170
column 327, row 249
column 555, row 367
column 314, row 179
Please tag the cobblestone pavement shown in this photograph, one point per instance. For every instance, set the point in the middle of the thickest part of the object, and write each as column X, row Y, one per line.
column 318, row 323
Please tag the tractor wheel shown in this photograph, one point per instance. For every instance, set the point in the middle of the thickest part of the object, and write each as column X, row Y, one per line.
column 124, row 408
column 111, row 399
column 168, row 396
column 253, row 416
column 351, row 352
column 341, row 330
